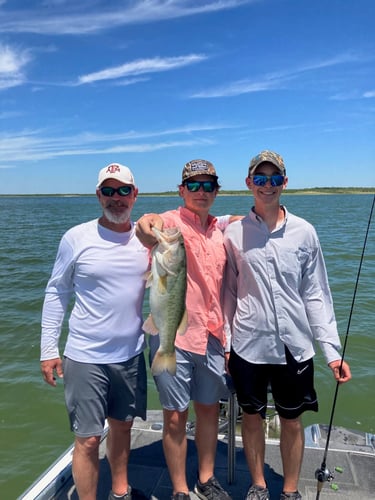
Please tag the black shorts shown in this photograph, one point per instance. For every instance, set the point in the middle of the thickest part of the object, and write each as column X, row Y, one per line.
column 292, row 386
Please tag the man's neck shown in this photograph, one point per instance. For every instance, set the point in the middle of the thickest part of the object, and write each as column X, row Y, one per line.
column 122, row 227
column 273, row 216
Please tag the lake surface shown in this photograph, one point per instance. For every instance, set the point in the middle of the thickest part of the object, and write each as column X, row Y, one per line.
column 34, row 427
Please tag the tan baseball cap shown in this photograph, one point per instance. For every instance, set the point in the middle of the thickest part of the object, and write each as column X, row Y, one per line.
column 198, row 167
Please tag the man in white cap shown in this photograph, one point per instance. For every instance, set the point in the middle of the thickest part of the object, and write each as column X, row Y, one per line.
column 102, row 264
column 277, row 305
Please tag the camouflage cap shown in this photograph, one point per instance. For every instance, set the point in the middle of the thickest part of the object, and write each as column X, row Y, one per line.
column 198, row 167
column 270, row 157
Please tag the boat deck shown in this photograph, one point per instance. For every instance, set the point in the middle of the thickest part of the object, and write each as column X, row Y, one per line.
column 353, row 453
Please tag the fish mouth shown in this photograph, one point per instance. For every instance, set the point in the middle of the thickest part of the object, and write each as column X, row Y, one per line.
column 170, row 234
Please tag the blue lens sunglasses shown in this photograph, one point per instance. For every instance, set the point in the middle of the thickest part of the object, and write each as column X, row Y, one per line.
column 261, row 180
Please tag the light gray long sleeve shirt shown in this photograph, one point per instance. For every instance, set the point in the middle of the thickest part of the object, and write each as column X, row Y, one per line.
column 276, row 291
column 105, row 272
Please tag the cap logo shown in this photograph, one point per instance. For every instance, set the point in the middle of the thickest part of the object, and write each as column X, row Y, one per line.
column 112, row 169
column 198, row 165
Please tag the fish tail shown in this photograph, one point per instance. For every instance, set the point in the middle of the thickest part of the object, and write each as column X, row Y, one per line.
column 164, row 362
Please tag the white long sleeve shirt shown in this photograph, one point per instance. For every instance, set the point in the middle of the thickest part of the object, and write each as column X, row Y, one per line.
column 276, row 291
column 105, row 272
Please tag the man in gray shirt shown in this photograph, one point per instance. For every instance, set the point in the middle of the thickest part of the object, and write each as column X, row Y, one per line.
column 277, row 304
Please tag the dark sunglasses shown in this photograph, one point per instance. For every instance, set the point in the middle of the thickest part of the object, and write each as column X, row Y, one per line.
column 261, row 180
column 194, row 186
column 110, row 191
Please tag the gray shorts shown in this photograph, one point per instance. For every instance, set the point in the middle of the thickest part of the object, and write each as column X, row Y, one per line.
column 199, row 378
column 94, row 392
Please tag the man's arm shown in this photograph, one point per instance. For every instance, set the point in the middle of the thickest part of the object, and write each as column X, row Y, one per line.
column 58, row 293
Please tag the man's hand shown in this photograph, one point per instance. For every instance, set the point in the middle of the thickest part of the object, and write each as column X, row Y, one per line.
column 48, row 369
column 143, row 229
column 345, row 374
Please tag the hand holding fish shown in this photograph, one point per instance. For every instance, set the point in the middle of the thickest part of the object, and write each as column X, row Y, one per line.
column 144, row 231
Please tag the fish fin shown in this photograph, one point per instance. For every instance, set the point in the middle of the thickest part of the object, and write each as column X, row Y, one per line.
column 149, row 326
column 164, row 362
column 162, row 284
column 161, row 267
column 148, row 278
column 182, row 327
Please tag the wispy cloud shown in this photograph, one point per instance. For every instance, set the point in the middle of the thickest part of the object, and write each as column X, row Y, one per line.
column 33, row 145
column 77, row 19
column 346, row 96
column 141, row 66
column 130, row 81
column 343, row 58
column 276, row 80
column 5, row 115
column 240, row 87
column 353, row 95
column 12, row 63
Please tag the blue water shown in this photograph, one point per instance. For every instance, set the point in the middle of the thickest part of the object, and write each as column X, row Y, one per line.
column 34, row 428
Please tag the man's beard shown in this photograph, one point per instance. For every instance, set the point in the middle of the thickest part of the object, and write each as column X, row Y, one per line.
column 117, row 218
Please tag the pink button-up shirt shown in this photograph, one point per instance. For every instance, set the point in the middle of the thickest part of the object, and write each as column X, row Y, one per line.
column 206, row 258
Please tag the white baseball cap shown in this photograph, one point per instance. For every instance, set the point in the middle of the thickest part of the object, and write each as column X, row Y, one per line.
column 116, row 171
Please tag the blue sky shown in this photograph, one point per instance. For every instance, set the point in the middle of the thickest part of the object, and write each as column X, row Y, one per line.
column 156, row 83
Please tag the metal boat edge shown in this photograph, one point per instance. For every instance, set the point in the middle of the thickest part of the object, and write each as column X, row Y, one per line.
column 56, row 477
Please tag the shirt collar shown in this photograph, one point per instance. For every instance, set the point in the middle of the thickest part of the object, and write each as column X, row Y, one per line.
column 258, row 219
column 193, row 218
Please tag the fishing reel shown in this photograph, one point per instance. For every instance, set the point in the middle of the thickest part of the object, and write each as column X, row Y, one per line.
column 323, row 474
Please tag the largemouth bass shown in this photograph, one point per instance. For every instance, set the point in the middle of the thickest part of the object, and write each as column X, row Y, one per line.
column 167, row 280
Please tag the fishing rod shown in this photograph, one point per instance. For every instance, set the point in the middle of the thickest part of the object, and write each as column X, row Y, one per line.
column 324, row 474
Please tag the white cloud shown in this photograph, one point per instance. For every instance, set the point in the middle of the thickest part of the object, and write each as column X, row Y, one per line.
column 345, row 96
column 239, row 87
column 352, row 95
column 141, row 66
column 33, row 145
column 12, row 62
column 271, row 81
column 80, row 17
column 130, row 81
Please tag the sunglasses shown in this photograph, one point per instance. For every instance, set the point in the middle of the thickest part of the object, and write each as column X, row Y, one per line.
column 194, row 186
column 261, row 180
column 110, row 191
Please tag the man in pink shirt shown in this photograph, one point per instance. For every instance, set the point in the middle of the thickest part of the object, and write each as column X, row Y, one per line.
column 200, row 352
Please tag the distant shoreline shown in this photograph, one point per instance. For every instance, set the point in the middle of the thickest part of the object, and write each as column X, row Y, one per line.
column 305, row 191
